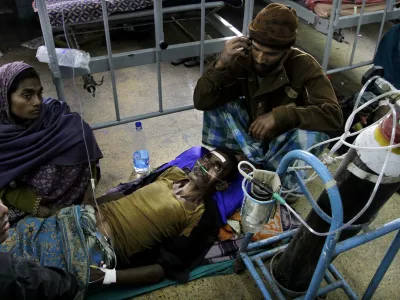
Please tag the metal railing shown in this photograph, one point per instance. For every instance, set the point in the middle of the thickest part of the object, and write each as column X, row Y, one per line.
column 129, row 59
column 334, row 21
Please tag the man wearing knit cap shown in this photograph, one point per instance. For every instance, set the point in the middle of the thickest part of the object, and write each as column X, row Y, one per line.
column 264, row 97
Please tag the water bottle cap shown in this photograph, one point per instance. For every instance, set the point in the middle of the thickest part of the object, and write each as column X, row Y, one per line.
column 138, row 125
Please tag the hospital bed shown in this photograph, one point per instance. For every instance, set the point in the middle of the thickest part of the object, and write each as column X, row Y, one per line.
column 80, row 12
column 50, row 12
column 332, row 16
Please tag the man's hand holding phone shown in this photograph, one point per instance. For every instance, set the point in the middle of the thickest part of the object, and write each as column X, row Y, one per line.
column 236, row 47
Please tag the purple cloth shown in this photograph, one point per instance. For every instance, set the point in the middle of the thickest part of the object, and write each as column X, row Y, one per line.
column 55, row 138
column 59, row 186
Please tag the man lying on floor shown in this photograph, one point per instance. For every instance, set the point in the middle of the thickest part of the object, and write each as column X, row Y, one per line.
column 174, row 214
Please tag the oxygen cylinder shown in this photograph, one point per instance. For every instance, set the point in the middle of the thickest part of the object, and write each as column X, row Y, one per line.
column 356, row 178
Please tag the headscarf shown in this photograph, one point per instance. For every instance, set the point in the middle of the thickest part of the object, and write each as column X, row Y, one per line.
column 275, row 26
column 55, row 138
column 8, row 73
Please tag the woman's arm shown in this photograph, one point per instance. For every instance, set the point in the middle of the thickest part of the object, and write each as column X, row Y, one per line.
column 21, row 197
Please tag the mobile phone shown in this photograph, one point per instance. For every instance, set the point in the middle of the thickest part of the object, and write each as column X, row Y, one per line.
column 246, row 51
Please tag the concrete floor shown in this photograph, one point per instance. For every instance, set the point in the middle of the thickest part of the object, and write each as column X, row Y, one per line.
column 167, row 136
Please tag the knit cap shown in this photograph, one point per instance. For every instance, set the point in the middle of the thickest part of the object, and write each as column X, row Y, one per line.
column 275, row 26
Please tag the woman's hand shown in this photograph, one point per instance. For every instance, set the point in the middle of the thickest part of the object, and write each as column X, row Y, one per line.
column 44, row 212
column 4, row 225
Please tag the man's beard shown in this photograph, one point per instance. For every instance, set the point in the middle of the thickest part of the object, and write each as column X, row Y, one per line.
column 264, row 69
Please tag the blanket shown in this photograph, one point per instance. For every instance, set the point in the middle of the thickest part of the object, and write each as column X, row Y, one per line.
column 66, row 240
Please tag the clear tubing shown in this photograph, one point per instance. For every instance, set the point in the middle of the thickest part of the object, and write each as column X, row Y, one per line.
column 87, row 151
column 360, row 94
column 243, row 173
column 350, row 120
column 205, row 171
column 351, row 117
column 351, row 134
column 347, row 128
column 372, row 194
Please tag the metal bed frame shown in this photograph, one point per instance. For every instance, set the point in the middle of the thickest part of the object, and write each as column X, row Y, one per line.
column 336, row 23
column 143, row 13
column 161, row 53
column 325, row 269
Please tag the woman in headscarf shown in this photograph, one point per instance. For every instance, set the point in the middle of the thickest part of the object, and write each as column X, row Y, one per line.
column 48, row 155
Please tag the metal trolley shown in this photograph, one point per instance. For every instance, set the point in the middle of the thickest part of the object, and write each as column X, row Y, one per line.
column 325, row 269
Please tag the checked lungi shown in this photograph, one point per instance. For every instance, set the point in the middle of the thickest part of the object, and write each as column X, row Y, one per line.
column 227, row 127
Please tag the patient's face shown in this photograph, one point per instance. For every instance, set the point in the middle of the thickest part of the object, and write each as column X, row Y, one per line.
column 211, row 169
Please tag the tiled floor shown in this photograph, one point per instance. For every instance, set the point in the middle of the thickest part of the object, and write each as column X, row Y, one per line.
column 167, row 136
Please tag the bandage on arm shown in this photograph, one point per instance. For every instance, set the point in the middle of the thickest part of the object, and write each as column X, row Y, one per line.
column 141, row 276
column 110, row 275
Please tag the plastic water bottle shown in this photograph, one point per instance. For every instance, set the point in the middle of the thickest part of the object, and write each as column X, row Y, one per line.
column 66, row 57
column 141, row 156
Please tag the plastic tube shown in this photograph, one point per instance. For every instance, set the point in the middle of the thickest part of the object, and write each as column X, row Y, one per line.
column 350, row 120
column 205, row 171
column 351, row 134
column 351, row 117
column 314, row 175
column 354, row 108
column 243, row 173
column 348, row 134
column 250, row 177
column 360, row 94
column 362, row 91
column 87, row 152
column 378, row 182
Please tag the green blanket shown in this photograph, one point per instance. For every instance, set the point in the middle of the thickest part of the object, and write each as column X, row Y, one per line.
column 100, row 292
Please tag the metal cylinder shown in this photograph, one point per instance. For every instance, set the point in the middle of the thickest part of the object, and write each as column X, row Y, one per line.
column 356, row 181
column 258, row 206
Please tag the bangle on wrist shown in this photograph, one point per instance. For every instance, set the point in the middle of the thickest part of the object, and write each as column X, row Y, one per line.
column 36, row 206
